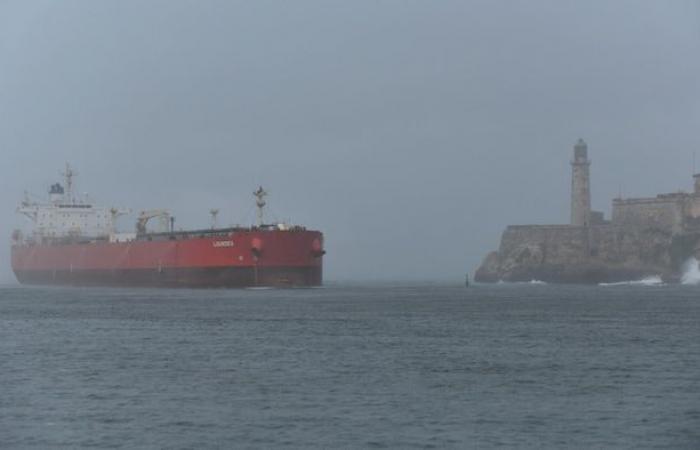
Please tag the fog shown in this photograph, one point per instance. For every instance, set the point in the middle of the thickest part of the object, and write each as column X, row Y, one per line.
column 410, row 132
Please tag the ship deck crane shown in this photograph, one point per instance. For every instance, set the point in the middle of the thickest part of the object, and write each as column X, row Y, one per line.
column 147, row 215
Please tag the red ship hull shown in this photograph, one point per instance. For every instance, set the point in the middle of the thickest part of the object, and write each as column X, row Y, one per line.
column 217, row 258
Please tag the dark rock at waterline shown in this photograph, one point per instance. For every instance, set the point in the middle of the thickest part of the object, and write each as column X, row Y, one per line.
column 589, row 255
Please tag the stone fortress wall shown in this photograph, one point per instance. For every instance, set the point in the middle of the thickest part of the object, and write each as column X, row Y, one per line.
column 646, row 237
column 662, row 213
column 673, row 212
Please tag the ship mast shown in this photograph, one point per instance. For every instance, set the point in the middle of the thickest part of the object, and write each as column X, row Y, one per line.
column 69, row 174
column 214, row 214
column 260, row 195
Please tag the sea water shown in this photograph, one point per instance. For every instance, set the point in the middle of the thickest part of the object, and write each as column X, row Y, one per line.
column 351, row 366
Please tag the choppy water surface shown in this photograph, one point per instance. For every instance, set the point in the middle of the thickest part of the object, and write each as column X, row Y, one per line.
column 351, row 366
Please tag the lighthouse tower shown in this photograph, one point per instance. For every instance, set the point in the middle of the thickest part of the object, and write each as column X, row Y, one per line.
column 581, row 186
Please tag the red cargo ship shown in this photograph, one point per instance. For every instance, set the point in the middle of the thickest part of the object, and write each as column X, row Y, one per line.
column 75, row 243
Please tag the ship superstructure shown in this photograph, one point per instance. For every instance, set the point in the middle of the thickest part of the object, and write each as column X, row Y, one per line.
column 65, row 216
column 75, row 242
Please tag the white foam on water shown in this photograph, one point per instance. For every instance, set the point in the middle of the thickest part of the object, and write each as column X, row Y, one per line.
column 691, row 272
column 520, row 283
column 649, row 281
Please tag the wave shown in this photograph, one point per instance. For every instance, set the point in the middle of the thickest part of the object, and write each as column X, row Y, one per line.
column 691, row 272
column 649, row 281
column 531, row 282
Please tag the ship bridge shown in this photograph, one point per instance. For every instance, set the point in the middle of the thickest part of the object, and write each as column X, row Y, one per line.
column 64, row 215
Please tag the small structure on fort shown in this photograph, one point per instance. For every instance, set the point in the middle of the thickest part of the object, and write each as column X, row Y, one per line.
column 646, row 237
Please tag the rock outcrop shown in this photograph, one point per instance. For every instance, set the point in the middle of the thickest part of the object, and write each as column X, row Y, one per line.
column 595, row 254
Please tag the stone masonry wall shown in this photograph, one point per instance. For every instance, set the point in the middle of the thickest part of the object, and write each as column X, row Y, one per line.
column 662, row 213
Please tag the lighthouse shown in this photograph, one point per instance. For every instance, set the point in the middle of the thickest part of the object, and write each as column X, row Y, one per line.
column 581, row 186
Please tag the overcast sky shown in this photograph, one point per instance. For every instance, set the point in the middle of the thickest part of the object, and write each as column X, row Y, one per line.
column 410, row 132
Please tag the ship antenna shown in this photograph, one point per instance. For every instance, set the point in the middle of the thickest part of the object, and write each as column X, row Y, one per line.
column 69, row 174
column 260, row 203
column 214, row 213
column 114, row 213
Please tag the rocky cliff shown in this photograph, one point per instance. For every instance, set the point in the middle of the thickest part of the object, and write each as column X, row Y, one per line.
column 593, row 254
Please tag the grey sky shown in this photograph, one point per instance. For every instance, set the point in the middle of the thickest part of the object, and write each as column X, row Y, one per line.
column 410, row 132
